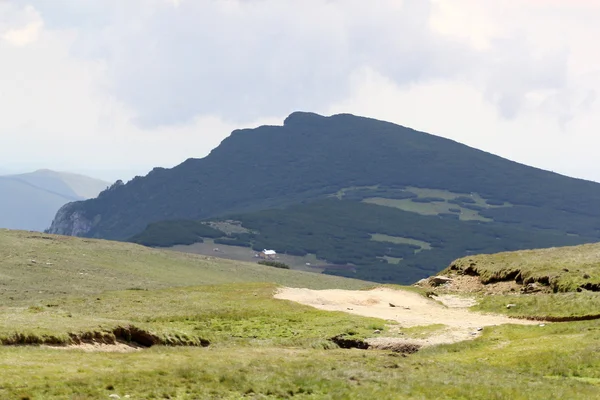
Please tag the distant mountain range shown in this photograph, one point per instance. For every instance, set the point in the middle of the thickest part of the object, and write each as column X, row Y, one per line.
column 370, row 199
column 30, row 201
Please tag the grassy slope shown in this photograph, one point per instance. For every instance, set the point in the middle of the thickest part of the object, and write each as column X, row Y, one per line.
column 563, row 269
column 260, row 347
column 569, row 277
column 67, row 265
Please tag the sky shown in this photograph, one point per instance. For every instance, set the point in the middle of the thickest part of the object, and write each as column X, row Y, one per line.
column 113, row 88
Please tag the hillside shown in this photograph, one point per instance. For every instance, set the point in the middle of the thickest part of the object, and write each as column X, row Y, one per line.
column 37, row 265
column 386, row 170
column 82, row 312
column 30, row 201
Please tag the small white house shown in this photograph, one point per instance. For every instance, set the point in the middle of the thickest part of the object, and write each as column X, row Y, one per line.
column 268, row 254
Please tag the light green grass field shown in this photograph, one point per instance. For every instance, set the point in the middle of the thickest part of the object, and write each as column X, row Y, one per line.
column 260, row 347
column 437, row 207
column 401, row 240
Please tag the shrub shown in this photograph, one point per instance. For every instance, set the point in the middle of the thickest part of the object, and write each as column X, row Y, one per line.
column 275, row 264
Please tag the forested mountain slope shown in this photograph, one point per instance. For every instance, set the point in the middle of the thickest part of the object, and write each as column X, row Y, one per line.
column 311, row 157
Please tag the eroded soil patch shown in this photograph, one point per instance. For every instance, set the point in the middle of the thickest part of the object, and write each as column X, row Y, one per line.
column 409, row 309
column 121, row 335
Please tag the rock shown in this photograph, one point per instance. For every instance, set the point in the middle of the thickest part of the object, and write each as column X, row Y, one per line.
column 586, row 276
column 422, row 282
column 510, row 305
column 479, row 329
column 392, row 305
column 71, row 222
column 531, row 288
column 349, row 308
column 439, row 280
column 114, row 396
column 377, row 331
column 542, row 325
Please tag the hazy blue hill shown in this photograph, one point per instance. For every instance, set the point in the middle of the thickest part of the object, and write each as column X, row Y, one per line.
column 30, row 201
column 64, row 183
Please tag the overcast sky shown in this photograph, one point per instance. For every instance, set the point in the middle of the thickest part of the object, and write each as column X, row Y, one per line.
column 113, row 88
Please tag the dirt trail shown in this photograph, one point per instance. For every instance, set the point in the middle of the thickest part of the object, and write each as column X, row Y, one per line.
column 411, row 309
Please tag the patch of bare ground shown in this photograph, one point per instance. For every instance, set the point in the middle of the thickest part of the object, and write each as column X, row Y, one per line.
column 469, row 284
column 408, row 309
column 398, row 345
column 100, row 347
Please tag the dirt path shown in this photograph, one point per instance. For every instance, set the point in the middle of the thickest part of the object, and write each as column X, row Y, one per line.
column 411, row 309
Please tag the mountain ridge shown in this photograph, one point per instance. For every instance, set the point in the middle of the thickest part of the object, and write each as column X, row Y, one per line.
column 270, row 156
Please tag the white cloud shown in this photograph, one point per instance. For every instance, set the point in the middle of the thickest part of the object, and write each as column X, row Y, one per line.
column 19, row 29
column 90, row 84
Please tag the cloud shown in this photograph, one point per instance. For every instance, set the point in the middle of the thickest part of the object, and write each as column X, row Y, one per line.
column 19, row 29
column 141, row 83
column 242, row 59
column 172, row 61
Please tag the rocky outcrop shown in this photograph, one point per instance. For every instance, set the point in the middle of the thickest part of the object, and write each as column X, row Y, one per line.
column 70, row 221
column 439, row 280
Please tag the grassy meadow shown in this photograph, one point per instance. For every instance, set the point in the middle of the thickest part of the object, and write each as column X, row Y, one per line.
column 560, row 269
column 219, row 334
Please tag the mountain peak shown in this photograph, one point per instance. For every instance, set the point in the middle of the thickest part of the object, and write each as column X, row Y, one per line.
column 303, row 117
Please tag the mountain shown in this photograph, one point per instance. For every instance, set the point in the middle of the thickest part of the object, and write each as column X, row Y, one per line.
column 29, row 201
column 369, row 198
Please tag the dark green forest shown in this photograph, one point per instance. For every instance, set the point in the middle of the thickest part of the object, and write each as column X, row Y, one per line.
column 339, row 232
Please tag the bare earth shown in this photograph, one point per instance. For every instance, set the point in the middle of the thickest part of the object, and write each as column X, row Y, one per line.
column 411, row 309
column 99, row 347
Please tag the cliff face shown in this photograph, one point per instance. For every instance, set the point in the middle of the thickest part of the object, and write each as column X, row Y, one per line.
column 70, row 221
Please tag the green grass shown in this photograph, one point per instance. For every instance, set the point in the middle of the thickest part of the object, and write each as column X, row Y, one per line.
column 260, row 347
column 422, row 332
column 554, row 306
column 392, row 260
column 437, row 207
column 219, row 313
column 38, row 266
column 401, row 240
column 433, row 208
column 557, row 361
column 562, row 269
